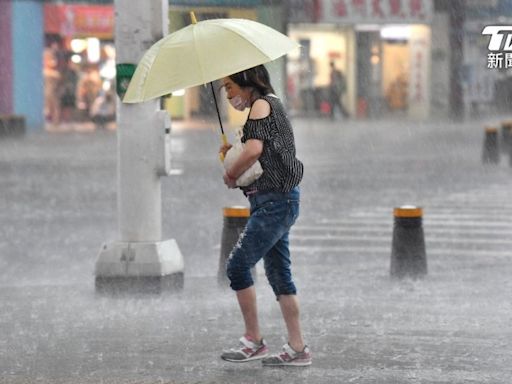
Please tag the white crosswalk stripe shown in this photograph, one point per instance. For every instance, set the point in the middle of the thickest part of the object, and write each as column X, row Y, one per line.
column 476, row 223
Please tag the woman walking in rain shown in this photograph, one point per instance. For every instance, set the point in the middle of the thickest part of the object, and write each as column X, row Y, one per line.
column 274, row 201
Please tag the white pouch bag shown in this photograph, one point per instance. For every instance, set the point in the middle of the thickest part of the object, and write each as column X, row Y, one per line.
column 251, row 174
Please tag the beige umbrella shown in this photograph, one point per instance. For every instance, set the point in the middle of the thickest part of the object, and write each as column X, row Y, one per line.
column 203, row 52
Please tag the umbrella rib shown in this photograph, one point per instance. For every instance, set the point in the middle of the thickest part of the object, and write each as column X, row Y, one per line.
column 197, row 53
column 258, row 46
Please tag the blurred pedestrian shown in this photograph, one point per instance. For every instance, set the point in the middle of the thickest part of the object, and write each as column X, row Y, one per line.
column 103, row 110
column 52, row 79
column 397, row 93
column 68, row 89
column 274, row 201
column 337, row 89
column 88, row 88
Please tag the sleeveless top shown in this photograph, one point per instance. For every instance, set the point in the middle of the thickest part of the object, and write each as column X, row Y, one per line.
column 282, row 171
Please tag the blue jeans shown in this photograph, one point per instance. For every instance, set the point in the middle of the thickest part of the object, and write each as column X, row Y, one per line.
column 266, row 236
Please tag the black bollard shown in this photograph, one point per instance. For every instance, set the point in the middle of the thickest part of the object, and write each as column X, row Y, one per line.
column 510, row 155
column 506, row 136
column 506, row 139
column 408, row 257
column 490, row 153
column 12, row 125
column 235, row 219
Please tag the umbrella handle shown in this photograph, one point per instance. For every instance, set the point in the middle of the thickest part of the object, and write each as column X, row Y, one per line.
column 224, row 141
column 223, row 135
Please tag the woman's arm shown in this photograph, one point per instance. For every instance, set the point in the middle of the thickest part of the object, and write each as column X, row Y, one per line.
column 252, row 148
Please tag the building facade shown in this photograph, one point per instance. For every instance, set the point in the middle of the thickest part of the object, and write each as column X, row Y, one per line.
column 387, row 50
column 383, row 47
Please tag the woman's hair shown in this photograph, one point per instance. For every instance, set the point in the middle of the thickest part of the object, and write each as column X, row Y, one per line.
column 256, row 77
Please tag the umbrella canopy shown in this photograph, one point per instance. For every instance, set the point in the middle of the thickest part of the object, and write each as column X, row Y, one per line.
column 203, row 52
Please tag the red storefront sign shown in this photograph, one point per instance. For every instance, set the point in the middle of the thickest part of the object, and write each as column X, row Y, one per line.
column 376, row 11
column 73, row 20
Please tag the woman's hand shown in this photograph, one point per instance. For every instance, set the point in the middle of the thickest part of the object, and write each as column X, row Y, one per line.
column 224, row 149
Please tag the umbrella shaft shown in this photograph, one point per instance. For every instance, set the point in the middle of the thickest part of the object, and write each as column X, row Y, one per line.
column 217, row 108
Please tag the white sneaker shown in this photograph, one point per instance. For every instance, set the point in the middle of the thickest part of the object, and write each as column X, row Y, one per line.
column 289, row 357
column 247, row 351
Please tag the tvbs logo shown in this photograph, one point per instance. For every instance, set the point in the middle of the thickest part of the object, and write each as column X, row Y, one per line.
column 501, row 37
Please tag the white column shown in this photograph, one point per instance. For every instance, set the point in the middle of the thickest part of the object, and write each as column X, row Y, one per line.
column 142, row 143
column 139, row 186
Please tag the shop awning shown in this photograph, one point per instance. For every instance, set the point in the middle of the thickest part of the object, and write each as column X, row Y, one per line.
column 77, row 20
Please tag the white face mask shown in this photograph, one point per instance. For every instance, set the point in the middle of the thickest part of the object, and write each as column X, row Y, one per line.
column 238, row 103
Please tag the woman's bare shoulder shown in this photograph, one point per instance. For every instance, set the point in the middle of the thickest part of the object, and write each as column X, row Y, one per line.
column 260, row 109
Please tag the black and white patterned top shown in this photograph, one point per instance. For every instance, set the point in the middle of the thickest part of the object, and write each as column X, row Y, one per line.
column 282, row 171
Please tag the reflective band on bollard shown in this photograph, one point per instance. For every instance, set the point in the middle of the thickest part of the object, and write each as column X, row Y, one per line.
column 408, row 257
column 490, row 151
column 236, row 211
column 235, row 219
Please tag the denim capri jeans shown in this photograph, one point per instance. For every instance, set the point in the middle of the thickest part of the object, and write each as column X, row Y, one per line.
column 266, row 236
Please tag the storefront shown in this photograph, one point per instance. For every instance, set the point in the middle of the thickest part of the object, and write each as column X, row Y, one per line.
column 84, row 34
column 79, row 58
column 381, row 46
column 309, row 70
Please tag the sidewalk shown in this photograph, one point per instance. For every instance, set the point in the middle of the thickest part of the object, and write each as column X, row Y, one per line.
column 59, row 205
column 76, row 126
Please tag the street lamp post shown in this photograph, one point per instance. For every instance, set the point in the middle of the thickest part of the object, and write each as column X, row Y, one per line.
column 140, row 260
column 456, row 12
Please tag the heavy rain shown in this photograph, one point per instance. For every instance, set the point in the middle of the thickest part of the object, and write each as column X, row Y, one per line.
column 114, row 226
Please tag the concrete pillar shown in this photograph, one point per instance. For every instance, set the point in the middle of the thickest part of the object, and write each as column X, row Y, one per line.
column 456, row 12
column 140, row 261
